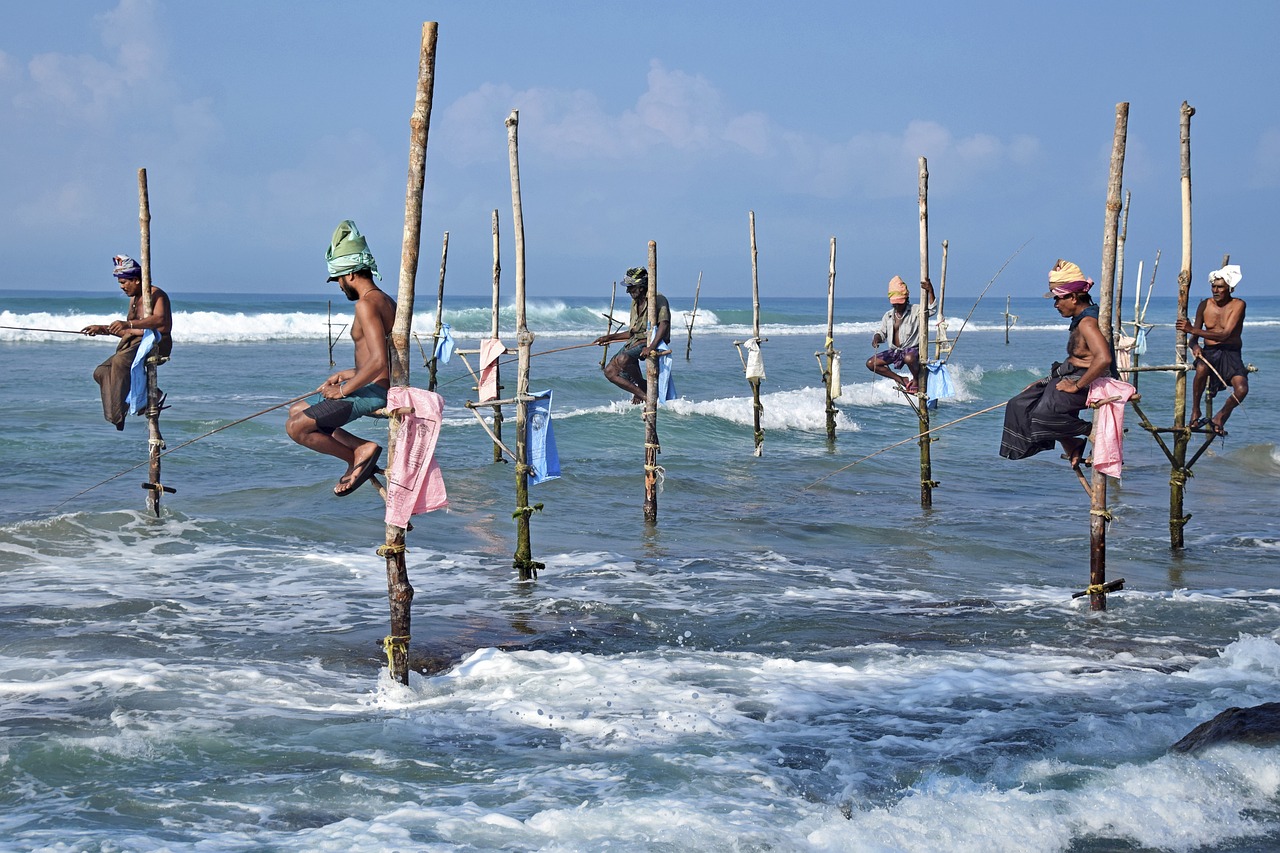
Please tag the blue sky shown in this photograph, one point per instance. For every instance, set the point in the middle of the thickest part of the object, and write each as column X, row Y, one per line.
column 263, row 124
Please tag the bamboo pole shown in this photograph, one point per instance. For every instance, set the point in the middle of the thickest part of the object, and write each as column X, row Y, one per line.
column 1178, row 476
column 608, row 326
column 155, row 441
column 943, row 346
column 1117, row 324
column 651, row 446
column 1007, row 318
column 493, row 333
column 757, row 408
column 828, row 372
column 922, row 399
column 693, row 315
column 1098, row 513
column 399, row 590
column 439, row 332
column 523, row 561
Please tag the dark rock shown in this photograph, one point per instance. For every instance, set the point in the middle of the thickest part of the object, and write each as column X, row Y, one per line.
column 1257, row 726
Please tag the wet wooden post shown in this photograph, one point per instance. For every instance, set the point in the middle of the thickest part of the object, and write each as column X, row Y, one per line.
column 922, row 397
column 493, row 333
column 1182, row 436
column 439, row 332
column 651, row 446
column 757, row 408
column 1007, row 318
column 523, row 561
column 942, row 346
column 830, row 372
column 399, row 590
column 155, row 441
column 1117, row 326
column 1098, row 513
column 693, row 315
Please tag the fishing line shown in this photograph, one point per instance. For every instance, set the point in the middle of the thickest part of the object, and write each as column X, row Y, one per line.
column 185, row 444
column 58, row 331
column 905, row 440
column 956, row 340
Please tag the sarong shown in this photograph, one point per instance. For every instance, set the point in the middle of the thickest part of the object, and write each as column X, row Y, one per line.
column 1228, row 362
column 1041, row 415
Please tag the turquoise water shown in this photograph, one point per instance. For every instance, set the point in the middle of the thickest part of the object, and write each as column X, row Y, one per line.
column 774, row 665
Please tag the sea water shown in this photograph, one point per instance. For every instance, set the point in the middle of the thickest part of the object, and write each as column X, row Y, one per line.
column 796, row 656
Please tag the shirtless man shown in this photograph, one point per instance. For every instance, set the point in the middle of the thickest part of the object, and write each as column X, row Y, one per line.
column 113, row 375
column 900, row 328
column 320, row 426
column 623, row 369
column 1219, row 321
column 1048, row 409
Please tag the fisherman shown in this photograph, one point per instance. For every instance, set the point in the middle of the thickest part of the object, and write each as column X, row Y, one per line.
column 900, row 328
column 1048, row 409
column 319, row 425
column 623, row 369
column 114, row 375
column 1219, row 321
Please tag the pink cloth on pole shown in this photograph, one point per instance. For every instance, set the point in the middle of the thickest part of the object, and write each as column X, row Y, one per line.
column 491, row 349
column 414, row 482
column 1108, row 424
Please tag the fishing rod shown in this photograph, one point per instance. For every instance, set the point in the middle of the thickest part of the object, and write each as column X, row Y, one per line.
column 185, row 444
column 979, row 299
column 58, row 331
column 905, row 440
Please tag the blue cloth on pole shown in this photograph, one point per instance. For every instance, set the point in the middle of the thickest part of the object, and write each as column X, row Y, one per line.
column 540, row 441
column 666, row 385
column 136, row 399
column 1140, row 341
column 940, row 386
column 444, row 346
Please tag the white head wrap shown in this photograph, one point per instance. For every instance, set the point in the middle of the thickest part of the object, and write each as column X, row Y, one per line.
column 1230, row 274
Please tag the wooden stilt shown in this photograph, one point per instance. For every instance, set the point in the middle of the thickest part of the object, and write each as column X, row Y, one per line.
column 493, row 333
column 651, row 447
column 1098, row 513
column 399, row 590
column 523, row 562
column 1009, row 320
column 155, row 441
column 1118, row 316
column 829, row 351
column 608, row 326
column 757, row 408
column 942, row 347
column 922, row 397
column 439, row 332
column 693, row 315
column 1178, row 477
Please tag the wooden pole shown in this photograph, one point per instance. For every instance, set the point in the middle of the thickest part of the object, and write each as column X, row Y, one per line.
column 439, row 332
column 1182, row 437
column 922, row 398
column 523, row 561
column 493, row 333
column 693, row 315
column 399, row 590
column 1007, row 317
column 651, row 446
column 1117, row 325
column 828, row 372
column 943, row 346
column 1098, row 514
column 155, row 441
column 757, row 407
column 608, row 326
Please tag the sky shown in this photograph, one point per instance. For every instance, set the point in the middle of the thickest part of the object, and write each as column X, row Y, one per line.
column 262, row 125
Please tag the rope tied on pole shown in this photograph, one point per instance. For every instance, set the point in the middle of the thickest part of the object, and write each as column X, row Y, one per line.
column 526, row 511
column 393, row 643
column 391, row 550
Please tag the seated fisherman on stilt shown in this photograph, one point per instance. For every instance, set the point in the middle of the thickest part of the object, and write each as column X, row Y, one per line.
column 114, row 375
column 1219, row 321
column 351, row 394
column 1048, row 409
column 900, row 329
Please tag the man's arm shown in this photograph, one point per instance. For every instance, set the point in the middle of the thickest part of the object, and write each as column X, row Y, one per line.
column 608, row 339
column 371, row 355
column 1099, row 357
column 1193, row 329
column 659, row 335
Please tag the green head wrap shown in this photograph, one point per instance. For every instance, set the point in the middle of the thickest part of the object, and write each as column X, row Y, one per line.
column 348, row 252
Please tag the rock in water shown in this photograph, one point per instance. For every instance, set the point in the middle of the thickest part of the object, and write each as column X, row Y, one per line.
column 1258, row 726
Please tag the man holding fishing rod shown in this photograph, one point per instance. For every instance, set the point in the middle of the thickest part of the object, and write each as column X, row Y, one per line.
column 114, row 375
column 1219, row 320
column 1048, row 409
column 351, row 394
column 623, row 369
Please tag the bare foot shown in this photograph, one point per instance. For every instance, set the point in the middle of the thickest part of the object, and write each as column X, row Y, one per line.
column 636, row 399
column 363, row 466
